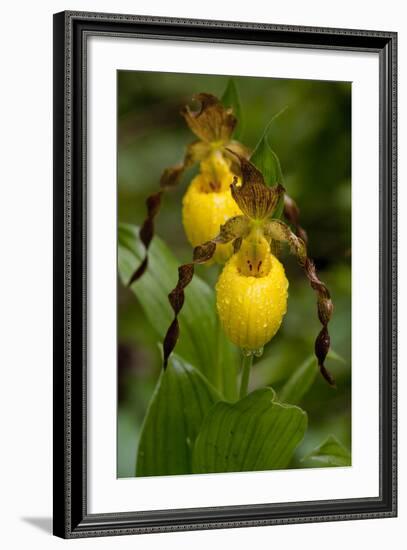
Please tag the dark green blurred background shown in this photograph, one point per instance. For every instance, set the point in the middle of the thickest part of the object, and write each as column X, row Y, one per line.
column 313, row 141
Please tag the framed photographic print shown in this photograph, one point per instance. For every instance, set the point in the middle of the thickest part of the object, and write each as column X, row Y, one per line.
column 224, row 274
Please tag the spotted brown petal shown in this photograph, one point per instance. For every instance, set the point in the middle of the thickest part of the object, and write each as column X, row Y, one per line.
column 212, row 122
column 250, row 174
column 235, row 227
column 279, row 231
column 255, row 199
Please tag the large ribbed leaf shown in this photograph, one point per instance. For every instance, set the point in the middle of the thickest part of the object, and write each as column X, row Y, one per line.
column 330, row 453
column 180, row 401
column 201, row 341
column 256, row 433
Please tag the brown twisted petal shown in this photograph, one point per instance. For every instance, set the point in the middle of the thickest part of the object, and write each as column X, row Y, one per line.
column 147, row 232
column 170, row 340
column 170, row 178
column 212, row 122
column 279, row 231
column 196, row 151
column 325, row 309
column 176, row 298
column 232, row 230
column 292, row 214
column 322, row 345
column 204, row 252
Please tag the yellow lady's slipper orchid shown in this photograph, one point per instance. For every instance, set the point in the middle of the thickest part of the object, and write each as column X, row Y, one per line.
column 252, row 295
column 251, row 292
column 208, row 204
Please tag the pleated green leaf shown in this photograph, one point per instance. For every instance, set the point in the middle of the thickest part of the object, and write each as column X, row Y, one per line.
column 201, row 342
column 180, row 401
column 256, row 433
column 330, row 453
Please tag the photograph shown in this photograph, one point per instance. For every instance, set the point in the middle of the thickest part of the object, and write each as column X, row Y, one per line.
column 234, row 272
column 225, row 252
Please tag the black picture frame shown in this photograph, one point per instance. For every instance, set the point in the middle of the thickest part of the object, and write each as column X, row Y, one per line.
column 71, row 30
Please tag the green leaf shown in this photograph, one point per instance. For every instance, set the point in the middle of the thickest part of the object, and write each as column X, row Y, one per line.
column 302, row 379
column 265, row 159
column 231, row 99
column 330, row 453
column 299, row 382
column 201, row 342
column 174, row 416
column 256, row 433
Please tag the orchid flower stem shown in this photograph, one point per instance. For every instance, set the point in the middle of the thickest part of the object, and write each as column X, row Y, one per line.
column 247, row 364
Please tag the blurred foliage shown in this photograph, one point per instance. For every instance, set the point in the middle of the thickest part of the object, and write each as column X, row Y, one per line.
column 312, row 139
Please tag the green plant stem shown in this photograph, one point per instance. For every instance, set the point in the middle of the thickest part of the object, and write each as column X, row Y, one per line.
column 247, row 363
